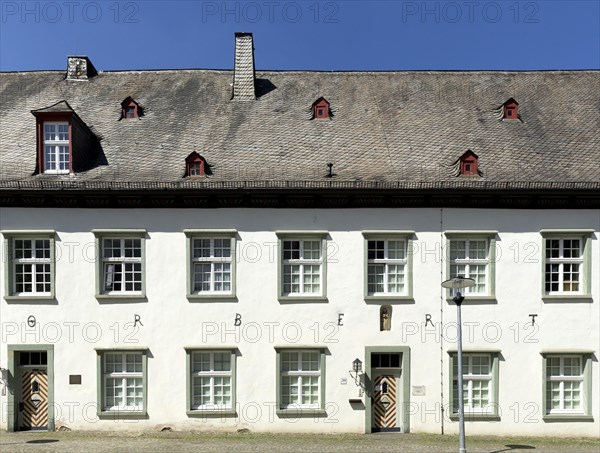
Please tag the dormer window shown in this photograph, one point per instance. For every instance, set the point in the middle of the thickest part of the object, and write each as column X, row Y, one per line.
column 57, row 152
column 468, row 164
column 65, row 144
column 510, row 110
column 320, row 109
column 130, row 109
column 195, row 165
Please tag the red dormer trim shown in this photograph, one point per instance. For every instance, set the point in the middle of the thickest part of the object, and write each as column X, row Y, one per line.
column 510, row 110
column 51, row 117
column 469, row 165
column 130, row 109
column 320, row 109
column 195, row 165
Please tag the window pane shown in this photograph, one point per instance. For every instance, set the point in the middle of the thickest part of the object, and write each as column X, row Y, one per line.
column 291, row 250
column 375, row 278
column 312, row 250
column 376, row 250
column 396, row 250
column 291, row 279
column 458, row 250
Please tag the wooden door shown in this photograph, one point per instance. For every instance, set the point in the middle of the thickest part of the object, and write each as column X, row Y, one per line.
column 385, row 403
column 33, row 404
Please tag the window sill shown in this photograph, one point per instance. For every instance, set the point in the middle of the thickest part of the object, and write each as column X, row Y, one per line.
column 301, row 413
column 303, row 298
column 213, row 297
column 568, row 418
column 211, row 413
column 122, row 415
column 30, row 298
column 477, row 417
column 121, row 296
column 475, row 300
column 400, row 299
column 578, row 298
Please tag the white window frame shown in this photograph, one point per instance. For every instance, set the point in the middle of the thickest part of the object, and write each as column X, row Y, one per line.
column 407, row 238
column 212, row 235
column 562, row 378
column 102, row 263
column 299, row 375
column 386, row 262
column 123, row 261
column 586, row 270
column 212, row 261
column 467, row 262
column 470, row 378
column 561, row 261
column 34, row 261
column 586, row 384
column 489, row 262
column 11, row 263
column 283, row 263
column 124, row 376
column 54, row 146
column 212, row 374
column 489, row 411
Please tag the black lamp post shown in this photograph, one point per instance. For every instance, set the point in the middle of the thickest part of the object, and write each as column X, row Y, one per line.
column 458, row 283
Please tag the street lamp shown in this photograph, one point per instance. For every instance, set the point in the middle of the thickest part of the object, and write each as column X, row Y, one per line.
column 457, row 283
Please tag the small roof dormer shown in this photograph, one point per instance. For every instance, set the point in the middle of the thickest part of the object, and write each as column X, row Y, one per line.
column 508, row 111
column 196, row 165
column 321, row 109
column 130, row 109
column 467, row 165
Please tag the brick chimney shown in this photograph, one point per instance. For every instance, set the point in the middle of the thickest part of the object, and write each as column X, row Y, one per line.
column 80, row 68
column 243, row 74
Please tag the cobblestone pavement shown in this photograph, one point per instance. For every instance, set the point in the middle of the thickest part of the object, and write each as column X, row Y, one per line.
column 171, row 442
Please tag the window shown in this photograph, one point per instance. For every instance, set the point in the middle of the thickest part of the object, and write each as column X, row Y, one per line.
column 387, row 266
column 567, row 385
column 211, row 381
column 564, row 258
column 567, row 263
column 388, row 272
column 196, row 169
column 300, row 383
column 211, row 263
column 31, row 265
column 56, row 147
column 120, row 263
column 302, row 266
column 473, row 256
column 123, row 381
column 480, row 384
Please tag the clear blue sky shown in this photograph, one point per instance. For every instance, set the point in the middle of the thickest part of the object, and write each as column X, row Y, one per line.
column 319, row 35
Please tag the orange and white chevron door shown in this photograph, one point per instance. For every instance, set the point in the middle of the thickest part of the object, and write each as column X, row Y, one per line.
column 385, row 402
column 34, row 399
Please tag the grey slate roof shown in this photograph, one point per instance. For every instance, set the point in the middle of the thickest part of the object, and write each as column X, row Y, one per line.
column 396, row 129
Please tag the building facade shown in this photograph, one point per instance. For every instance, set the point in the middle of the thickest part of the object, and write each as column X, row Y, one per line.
column 217, row 250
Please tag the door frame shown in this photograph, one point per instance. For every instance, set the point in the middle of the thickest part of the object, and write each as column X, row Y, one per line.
column 13, row 390
column 404, row 385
